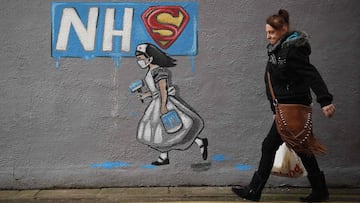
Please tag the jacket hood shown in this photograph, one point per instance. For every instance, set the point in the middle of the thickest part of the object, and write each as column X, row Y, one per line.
column 294, row 38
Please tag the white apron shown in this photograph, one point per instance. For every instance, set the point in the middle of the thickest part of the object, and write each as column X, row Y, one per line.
column 151, row 130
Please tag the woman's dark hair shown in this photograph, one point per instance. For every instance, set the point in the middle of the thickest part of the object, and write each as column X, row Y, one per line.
column 279, row 20
column 160, row 58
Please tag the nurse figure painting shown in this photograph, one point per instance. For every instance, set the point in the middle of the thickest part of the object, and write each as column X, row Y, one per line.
column 168, row 123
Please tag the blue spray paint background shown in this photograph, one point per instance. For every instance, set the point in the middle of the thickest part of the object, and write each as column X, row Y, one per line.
column 185, row 44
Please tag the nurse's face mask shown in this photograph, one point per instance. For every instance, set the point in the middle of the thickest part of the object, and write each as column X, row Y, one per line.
column 143, row 62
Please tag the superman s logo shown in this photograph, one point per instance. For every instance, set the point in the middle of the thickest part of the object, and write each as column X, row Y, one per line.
column 165, row 23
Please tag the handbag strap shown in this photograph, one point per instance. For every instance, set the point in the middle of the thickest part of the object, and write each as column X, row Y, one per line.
column 271, row 89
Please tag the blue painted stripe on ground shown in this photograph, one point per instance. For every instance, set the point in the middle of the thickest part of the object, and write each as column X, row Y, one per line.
column 148, row 166
column 111, row 165
column 243, row 167
column 220, row 157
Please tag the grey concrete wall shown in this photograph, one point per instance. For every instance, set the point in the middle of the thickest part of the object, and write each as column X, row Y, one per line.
column 58, row 128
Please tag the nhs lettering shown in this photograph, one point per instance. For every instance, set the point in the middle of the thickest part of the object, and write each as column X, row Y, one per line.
column 87, row 35
column 87, row 30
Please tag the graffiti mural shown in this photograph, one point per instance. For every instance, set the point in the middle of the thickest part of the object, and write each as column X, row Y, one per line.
column 152, row 33
column 88, row 29
column 168, row 123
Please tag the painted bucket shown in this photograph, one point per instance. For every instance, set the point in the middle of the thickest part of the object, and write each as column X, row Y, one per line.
column 171, row 121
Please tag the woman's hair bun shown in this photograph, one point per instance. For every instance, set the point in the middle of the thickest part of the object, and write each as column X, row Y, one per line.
column 283, row 13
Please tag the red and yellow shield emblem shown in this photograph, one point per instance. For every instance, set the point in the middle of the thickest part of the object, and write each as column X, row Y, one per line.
column 165, row 23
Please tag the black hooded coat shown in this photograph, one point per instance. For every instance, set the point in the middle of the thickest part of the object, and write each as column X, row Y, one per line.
column 292, row 75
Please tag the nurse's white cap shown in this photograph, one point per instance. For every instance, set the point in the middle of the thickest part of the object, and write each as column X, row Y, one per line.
column 141, row 48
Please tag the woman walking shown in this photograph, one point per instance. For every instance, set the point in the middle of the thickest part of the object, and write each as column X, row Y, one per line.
column 292, row 76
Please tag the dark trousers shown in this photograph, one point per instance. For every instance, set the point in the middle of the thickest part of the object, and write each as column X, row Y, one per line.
column 269, row 146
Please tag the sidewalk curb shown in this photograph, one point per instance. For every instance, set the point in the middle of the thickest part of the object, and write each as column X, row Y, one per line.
column 166, row 194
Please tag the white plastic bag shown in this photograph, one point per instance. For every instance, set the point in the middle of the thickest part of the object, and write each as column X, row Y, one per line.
column 287, row 163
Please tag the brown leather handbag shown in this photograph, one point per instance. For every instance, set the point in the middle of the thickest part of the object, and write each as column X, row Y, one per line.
column 294, row 124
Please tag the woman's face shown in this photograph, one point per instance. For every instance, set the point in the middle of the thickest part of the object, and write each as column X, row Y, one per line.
column 273, row 35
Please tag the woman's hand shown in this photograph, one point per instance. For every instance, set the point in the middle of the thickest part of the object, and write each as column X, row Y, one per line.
column 329, row 110
column 163, row 109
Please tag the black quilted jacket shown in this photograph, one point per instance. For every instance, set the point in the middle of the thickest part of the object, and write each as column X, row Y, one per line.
column 292, row 74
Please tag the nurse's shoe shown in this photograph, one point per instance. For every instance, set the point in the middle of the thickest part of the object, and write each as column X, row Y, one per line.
column 161, row 162
column 204, row 148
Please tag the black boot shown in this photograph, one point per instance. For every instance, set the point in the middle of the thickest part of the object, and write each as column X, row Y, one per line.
column 319, row 191
column 253, row 190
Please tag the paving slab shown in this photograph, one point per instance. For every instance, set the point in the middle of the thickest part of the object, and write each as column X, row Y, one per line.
column 67, row 194
column 134, row 194
column 6, row 194
column 26, row 194
column 165, row 195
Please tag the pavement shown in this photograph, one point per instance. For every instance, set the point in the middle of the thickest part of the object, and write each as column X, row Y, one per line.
column 165, row 195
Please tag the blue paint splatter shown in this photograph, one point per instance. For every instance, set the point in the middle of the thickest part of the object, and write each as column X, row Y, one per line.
column 148, row 166
column 111, row 165
column 220, row 157
column 133, row 113
column 243, row 167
